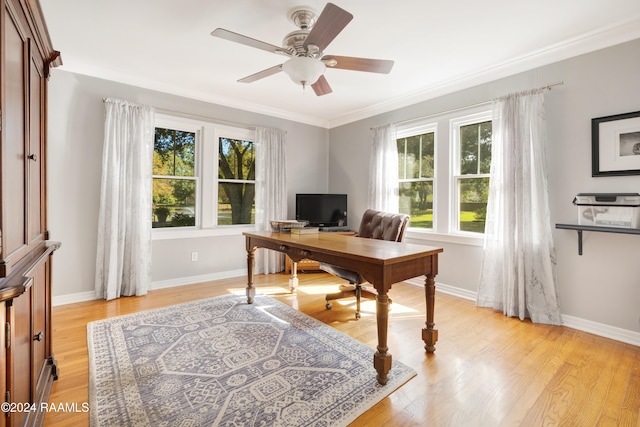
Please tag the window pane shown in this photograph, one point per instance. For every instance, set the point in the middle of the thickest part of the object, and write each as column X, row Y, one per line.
column 174, row 152
column 416, row 156
column 236, row 203
column 237, row 159
column 485, row 147
column 416, row 200
column 473, row 194
column 174, row 202
column 236, row 200
column 475, row 148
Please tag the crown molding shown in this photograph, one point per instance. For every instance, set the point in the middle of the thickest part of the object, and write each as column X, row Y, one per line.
column 585, row 43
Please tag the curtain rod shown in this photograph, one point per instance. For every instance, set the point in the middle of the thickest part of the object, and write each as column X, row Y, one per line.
column 464, row 107
column 205, row 118
column 213, row 120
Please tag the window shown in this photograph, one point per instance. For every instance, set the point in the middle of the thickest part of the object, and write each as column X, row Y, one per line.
column 416, row 171
column 471, row 172
column 188, row 192
column 174, row 178
column 236, row 181
column 443, row 176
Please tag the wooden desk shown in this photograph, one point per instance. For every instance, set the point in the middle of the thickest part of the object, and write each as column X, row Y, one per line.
column 381, row 262
column 308, row 264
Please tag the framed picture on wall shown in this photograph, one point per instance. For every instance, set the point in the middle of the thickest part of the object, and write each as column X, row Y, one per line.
column 615, row 145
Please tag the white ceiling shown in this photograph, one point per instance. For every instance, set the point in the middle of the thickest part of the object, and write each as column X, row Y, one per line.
column 437, row 46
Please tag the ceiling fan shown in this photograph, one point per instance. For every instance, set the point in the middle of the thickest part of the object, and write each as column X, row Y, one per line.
column 304, row 47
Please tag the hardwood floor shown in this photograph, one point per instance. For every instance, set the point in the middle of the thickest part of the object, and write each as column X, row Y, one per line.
column 488, row 370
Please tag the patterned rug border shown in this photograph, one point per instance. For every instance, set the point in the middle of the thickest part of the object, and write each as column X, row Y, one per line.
column 398, row 376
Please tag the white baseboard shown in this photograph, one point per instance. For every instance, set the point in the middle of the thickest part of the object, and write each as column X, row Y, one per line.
column 161, row 284
column 73, row 298
column 607, row 331
column 446, row 289
column 192, row 280
column 600, row 329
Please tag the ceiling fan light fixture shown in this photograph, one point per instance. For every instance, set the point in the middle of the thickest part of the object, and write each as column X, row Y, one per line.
column 304, row 70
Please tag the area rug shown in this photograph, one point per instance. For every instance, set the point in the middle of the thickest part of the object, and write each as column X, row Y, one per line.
column 223, row 362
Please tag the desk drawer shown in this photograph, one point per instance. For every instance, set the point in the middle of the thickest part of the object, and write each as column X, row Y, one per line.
column 298, row 254
column 292, row 252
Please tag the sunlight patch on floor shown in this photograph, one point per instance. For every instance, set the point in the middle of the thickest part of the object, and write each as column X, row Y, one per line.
column 262, row 290
column 369, row 306
column 317, row 290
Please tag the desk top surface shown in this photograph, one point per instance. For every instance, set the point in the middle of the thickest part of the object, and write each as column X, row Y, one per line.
column 348, row 246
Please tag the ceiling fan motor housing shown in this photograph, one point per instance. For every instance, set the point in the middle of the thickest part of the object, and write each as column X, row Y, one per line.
column 303, row 17
column 294, row 42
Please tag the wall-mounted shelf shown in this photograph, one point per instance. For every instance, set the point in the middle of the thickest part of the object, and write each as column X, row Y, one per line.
column 581, row 228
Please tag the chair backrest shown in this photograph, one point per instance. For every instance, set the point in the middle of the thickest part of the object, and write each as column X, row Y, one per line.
column 383, row 225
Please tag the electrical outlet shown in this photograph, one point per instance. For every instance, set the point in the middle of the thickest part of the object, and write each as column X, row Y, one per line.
column 194, row 256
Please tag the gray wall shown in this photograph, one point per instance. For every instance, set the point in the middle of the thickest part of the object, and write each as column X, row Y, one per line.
column 601, row 286
column 599, row 291
column 75, row 129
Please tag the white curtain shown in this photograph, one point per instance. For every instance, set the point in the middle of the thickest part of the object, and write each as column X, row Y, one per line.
column 383, row 170
column 271, row 192
column 123, row 262
column 518, row 273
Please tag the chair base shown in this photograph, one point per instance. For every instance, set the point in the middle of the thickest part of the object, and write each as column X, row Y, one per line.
column 349, row 291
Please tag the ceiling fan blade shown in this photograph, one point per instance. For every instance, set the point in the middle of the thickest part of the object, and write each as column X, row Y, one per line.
column 331, row 21
column 262, row 74
column 321, row 86
column 247, row 41
column 382, row 66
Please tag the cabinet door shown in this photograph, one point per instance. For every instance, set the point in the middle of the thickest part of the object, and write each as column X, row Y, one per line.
column 30, row 368
column 19, row 356
column 40, row 332
column 3, row 362
column 14, row 145
column 36, row 153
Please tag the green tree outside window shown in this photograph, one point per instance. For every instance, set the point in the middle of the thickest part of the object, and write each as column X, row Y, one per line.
column 236, row 181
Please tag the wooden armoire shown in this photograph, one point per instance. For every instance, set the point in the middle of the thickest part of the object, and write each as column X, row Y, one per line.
column 27, row 367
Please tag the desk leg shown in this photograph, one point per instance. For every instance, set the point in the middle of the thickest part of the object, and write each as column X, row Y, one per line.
column 429, row 333
column 382, row 359
column 251, row 291
column 293, row 280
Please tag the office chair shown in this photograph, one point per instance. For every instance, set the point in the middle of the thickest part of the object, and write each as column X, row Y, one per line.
column 374, row 225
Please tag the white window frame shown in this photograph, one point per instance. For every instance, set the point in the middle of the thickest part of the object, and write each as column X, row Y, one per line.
column 454, row 205
column 230, row 133
column 407, row 131
column 206, row 151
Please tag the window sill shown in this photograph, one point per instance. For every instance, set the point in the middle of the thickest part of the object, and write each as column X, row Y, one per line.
column 460, row 239
column 193, row 233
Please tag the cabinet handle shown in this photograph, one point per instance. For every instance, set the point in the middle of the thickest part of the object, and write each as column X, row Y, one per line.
column 38, row 336
column 305, row 253
column 283, row 248
column 33, row 157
